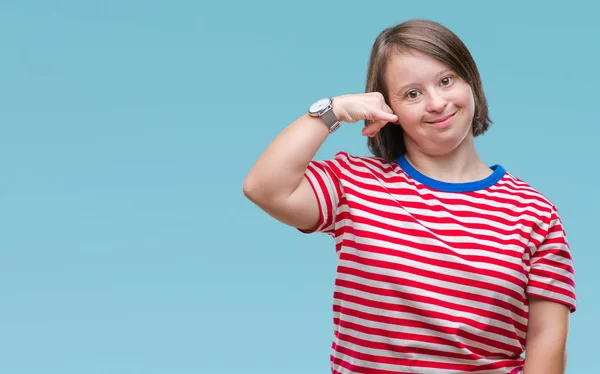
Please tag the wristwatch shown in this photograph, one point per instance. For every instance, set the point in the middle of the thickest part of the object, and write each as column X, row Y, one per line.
column 324, row 108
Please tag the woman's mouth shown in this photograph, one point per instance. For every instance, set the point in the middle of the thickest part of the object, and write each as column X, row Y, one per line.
column 442, row 122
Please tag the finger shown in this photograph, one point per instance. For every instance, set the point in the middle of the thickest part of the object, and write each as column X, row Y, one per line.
column 386, row 115
column 373, row 128
column 389, row 111
column 381, row 115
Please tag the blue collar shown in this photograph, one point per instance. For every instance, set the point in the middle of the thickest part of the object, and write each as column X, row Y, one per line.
column 497, row 174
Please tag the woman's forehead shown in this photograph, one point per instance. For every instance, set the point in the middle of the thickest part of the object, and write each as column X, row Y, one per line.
column 414, row 66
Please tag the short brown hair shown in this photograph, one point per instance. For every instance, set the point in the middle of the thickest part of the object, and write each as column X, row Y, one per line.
column 434, row 40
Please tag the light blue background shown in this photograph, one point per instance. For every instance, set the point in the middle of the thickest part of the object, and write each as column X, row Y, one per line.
column 127, row 128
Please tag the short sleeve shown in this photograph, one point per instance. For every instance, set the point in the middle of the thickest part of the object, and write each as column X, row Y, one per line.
column 551, row 275
column 323, row 177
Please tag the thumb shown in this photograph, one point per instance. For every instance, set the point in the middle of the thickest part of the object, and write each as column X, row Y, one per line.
column 373, row 128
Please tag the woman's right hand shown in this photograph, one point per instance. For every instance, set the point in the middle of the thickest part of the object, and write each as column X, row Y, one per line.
column 369, row 106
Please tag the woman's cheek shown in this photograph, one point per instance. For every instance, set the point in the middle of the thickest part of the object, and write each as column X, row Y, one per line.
column 411, row 117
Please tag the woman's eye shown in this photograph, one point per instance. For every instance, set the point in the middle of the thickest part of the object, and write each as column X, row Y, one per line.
column 412, row 94
column 446, row 81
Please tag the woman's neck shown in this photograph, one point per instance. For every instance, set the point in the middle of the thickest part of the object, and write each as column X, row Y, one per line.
column 462, row 165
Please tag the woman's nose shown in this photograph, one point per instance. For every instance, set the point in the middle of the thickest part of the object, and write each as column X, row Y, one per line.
column 436, row 103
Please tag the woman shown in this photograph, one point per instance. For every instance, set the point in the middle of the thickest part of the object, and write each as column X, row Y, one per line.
column 445, row 264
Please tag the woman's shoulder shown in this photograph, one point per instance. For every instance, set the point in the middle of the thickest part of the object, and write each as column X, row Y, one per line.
column 348, row 160
column 352, row 165
column 520, row 188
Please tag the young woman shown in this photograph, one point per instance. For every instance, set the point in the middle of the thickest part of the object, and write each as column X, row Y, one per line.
column 445, row 265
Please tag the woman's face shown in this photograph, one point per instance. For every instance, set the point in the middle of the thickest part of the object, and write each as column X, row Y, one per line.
column 435, row 107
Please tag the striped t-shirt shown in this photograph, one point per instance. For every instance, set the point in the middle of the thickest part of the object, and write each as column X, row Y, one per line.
column 433, row 277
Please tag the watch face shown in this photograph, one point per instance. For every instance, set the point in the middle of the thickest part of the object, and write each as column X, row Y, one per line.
column 319, row 105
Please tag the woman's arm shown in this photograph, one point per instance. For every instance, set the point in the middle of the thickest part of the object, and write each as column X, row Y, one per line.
column 545, row 350
column 276, row 182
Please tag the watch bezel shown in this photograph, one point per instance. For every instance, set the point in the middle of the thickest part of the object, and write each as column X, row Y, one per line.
column 320, row 106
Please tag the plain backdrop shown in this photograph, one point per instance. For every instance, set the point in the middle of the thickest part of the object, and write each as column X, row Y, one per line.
column 127, row 128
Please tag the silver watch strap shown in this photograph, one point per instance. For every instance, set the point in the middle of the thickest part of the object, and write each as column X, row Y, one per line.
column 331, row 120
